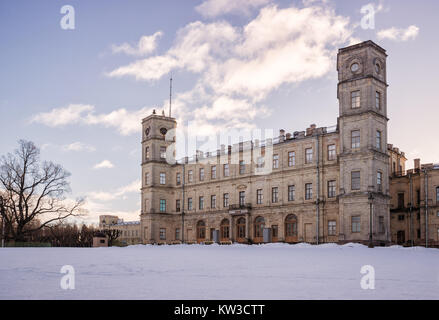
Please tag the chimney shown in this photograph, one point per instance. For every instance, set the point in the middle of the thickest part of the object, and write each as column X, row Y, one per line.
column 281, row 135
column 417, row 164
column 288, row 136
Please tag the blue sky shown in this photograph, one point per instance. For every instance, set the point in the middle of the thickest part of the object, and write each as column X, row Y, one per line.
column 80, row 94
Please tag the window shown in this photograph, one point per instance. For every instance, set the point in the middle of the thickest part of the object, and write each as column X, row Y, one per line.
column 400, row 200
column 331, row 189
column 177, row 205
column 380, row 181
column 377, row 100
column 308, row 191
column 189, row 203
column 201, row 174
column 356, row 224
column 213, row 172
column 241, row 167
column 355, row 99
column 260, row 162
column 213, row 201
column 419, row 233
column 291, row 158
column 177, row 234
column 225, row 200
column 201, row 203
column 274, row 231
column 332, row 155
column 162, row 234
column 437, row 214
column 275, row 195
column 178, row 178
column 162, row 178
column 147, row 153
column 308, row 155
column 147, row 178
column 291, row 193
column 241, row 198
column 162, row 205
column 381, row 225
column 332, row 228
column 275, row 161
column 190, row 176
column 355, row 180
column 378, row 140
column 401, row 217
column 259, row 196
column 437, row 194
column 226, row 170
column 162, row 152
column 355, row 139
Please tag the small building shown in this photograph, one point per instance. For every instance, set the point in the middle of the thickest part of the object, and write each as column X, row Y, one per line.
column 100, row 240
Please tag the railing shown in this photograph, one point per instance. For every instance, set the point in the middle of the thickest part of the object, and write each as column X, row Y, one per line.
column 240, row 206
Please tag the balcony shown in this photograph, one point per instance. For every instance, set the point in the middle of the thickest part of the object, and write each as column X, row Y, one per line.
column 237, row 209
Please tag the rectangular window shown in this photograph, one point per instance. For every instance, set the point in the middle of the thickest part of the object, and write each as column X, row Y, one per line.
column 275, row 161
column 259, row 196
column 401, row 217
column 213, row 172
column 213, row 201
column 162, row 205
column 162, row 152
column 332, row 155
column 437, row 195
column 190, row 176
column 356, row 224
column 378, row 140
column 162, row 234
column 400, row 200
column 355, row 139
column 241, row 167
column 178, row 178
column 308, row 155
column 274, row 231
column 177, row 205
column 379, row 181
column 226, row 170
column 162, row 178
column 381, row 225
column 355, row 99
column 225, row 200
column 177, row 234
column 147, row 153
column 201, row 202
column 275, row 195
column 189, row 203
column 332, row 228
column 260, row 162
column 308, row 191
column 201, row 174
column 291, row 193
column 331, row 189
column 146, row 178
column 378, row 100
column 241, row 198
column 355, row 180
column 291, row 158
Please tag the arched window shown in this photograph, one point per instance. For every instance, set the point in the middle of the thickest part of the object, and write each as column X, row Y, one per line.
column 201, row 231
column 291, row 228
column 259, row 228
column 240, row 230
column 225, row 230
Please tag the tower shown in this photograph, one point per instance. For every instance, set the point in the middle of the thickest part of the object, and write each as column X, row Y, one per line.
column 157, row 182
column 362, row 123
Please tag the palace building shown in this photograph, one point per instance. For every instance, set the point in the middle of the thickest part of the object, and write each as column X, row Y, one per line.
column 325, row 184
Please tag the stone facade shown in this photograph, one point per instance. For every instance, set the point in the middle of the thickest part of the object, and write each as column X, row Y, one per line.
column 340, row 175
column 129, row 231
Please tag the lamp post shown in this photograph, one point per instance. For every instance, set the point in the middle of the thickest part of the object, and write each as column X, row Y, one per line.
column 370, row 219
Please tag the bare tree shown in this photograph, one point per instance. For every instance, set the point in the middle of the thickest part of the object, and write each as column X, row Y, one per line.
column 112, row 234
column 33, row 191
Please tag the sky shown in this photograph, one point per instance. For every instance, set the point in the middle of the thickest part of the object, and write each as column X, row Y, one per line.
column 79, row 90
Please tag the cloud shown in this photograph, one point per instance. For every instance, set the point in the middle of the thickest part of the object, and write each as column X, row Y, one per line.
column 126, row 122
column 133, row 187
column 78, row 146
column 146, row 45
column 396, row 34
column 104, row 164
column 213, row 8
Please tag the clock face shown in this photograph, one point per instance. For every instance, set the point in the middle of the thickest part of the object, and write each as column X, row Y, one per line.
column 163, row 131
column 355, row 67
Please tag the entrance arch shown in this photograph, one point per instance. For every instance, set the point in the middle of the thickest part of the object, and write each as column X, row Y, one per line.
column 225, row 230
column 291, row 228
column 259, row 230
column 240, row 230
column 201, row 231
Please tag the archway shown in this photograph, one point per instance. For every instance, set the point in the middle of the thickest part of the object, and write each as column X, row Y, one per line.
column 291, row 228
column 201, row 231
column 240, row 230
column 259, row 230
column 225, row 230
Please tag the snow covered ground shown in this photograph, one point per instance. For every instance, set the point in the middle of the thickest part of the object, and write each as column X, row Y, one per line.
column 272, row 271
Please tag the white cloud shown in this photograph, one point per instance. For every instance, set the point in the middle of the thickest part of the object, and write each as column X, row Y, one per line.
column 126, row 122
column 396, row 34
column 133, row 187
column 78, row 146
column 213, row 8
column 104, row 164
column 146, row 45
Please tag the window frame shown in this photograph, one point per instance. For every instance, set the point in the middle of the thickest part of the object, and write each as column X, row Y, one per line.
column 275, row 161
column 291, row 158
column 259, row 196
column 291, row 192
column 332, row 152
column 226, row 200
column 162, row 178
column 274, row 194
column 356, row 181
column 162, row 207
column 332, row 227
column 356, row 225
column 309, row 155
column 355, row 140
column 332, row 186
column 356, row 99
column 308, row 191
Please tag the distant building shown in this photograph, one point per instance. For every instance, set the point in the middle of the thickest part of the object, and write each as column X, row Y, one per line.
column 100, row 240
column 129, row 231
